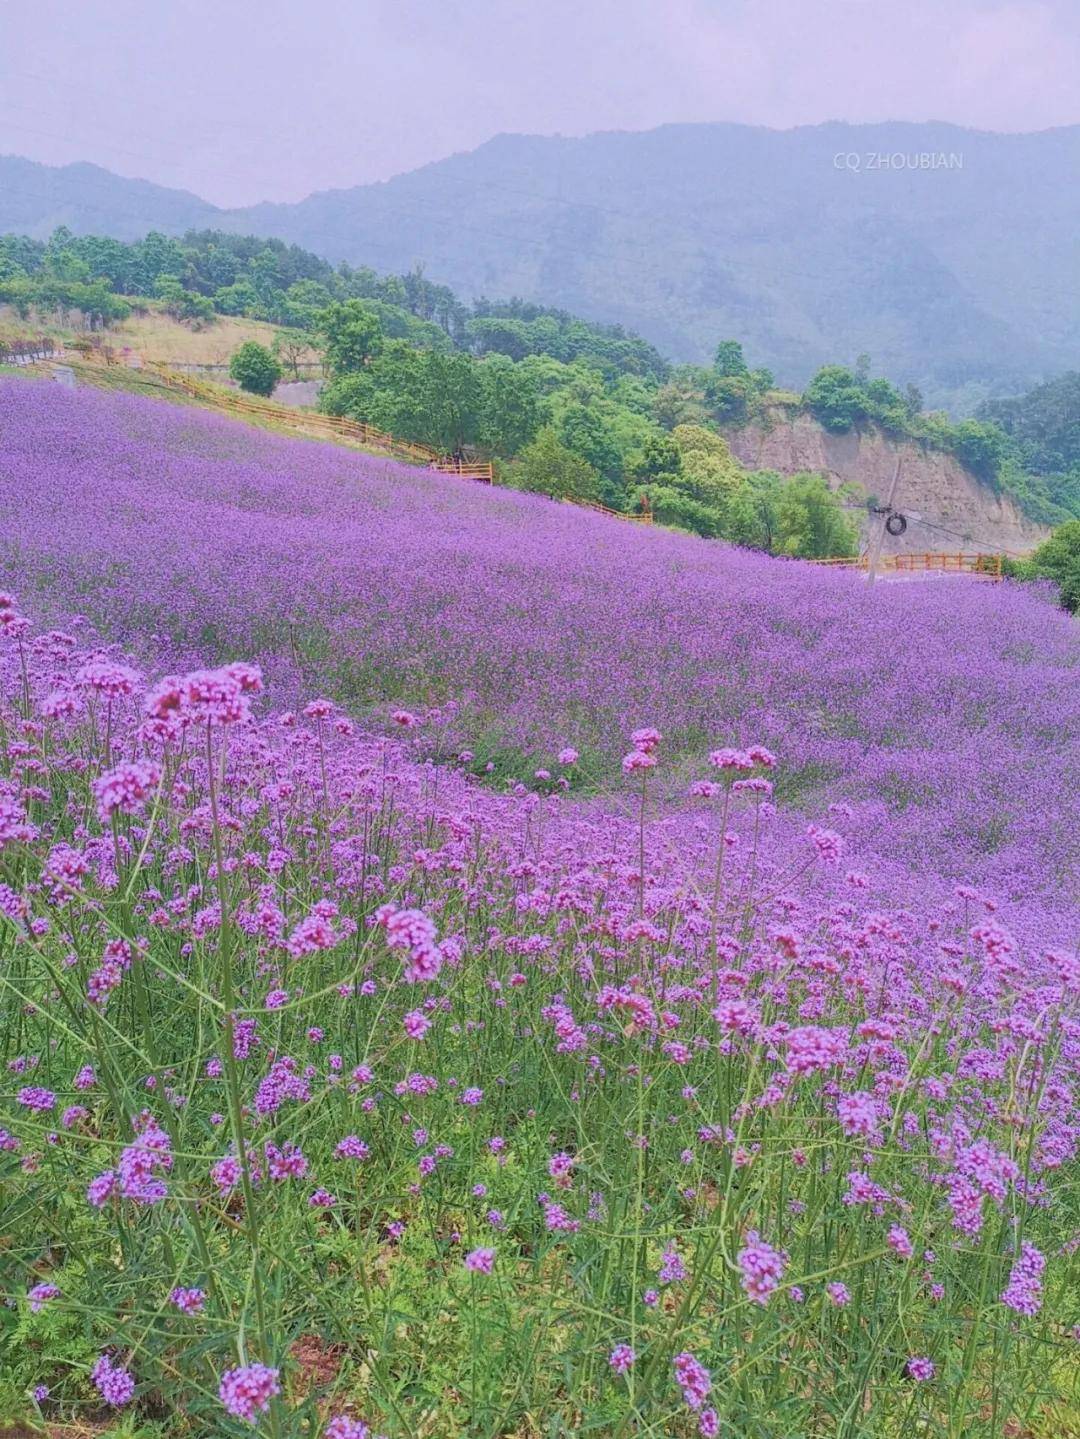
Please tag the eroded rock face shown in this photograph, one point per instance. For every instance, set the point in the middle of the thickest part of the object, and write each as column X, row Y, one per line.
column 932, row 484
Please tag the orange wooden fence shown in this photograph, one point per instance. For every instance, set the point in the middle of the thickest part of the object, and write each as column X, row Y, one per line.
column 944, row 563
column 641, row 517
column 306, row 422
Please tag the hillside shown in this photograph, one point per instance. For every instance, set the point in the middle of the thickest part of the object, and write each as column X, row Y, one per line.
column 962, row 279
column 961, row 513
column 153, row 335
column 542, row 625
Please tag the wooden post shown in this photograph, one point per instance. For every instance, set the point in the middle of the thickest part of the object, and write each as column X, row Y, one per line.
column 879, row 539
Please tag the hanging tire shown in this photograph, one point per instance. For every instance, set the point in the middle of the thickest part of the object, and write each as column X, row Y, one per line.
column 896, row 524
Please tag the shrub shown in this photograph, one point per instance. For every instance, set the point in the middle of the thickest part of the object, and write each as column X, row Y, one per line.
column 255, row 369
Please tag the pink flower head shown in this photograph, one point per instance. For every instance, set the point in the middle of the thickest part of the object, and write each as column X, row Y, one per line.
column 415, row 1024
column 1024, row 1290
column 40, row 1295
column 341, row 1426
column 220, row 697
column 12, row 624
column 480, row 1261
column 115, row 1386
column 899, row 1241
column 638, row 759
column 692, row 1378
column 412, row 930
column 828, row 844
column 125, row 789
column 646, row 740
column 731, row 759
column 188, row 1301
column 813, row 1048
column 762, row 1268
column 246, row 1392
column 762, row 756
column 622, row 1358
column 109, row 678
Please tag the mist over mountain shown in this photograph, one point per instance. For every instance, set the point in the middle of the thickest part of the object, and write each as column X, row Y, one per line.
column 35, row 199
column 950, row 256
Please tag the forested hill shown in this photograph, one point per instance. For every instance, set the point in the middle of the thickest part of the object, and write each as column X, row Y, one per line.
column 410, row 357
column 952, row 261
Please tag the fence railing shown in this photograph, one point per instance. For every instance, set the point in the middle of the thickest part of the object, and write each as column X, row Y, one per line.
column 30, row 352
column 640, row 517
column 941, row 562
column 306, row 422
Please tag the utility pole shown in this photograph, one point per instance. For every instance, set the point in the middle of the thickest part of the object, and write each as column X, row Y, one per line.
column 883, row 512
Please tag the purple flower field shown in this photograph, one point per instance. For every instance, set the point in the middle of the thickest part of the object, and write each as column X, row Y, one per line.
column 946, row 715
column 706, row 1066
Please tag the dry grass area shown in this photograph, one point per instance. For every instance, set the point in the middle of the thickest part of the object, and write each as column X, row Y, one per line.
column 155, row 335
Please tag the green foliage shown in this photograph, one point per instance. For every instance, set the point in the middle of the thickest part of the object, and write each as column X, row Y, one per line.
column 728, row 398
column 1043, row 427
column 181, row 304
column 46, row 293
column 810, row 521
column 510, row 405
column 708, row 491
column 981, row 447
column 547, row 467
column 447, row 400
column 351, row 336
column 1057, row 559
column 292, row 348
column 729, row 359
column 606, row 391
column 517, row 329
column 836, row 398
column 255, row 369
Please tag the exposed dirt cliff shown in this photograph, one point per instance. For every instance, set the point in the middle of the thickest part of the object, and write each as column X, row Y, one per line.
column 932, row 484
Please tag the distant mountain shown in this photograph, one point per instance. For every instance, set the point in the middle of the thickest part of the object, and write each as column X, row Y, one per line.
column 959, row 272
column 35, row 199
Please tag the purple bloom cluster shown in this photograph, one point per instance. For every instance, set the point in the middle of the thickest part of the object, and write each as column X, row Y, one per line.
column 948, row 739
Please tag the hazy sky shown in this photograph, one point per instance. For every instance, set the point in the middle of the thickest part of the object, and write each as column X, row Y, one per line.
column 242, row 100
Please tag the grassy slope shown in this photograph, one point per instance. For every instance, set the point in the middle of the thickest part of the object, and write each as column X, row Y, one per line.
column 156, row 336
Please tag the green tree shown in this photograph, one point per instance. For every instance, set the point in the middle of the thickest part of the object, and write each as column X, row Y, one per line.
column 729, row 397
column 1057, row 559
column 254, row 368
column 673, row 506
column 444, row 404
column 836, row 398
column 547, row 467
column 681, row 400
column 510, row 406
column 982, row 446
column 583, row 429
column 351, row 336
column 729, row 360
column 810, row 521
column 661, row 456
column 237, row 299
column 291, row 348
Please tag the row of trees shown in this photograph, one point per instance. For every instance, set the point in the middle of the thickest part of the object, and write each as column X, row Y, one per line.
column 208, row 272
column 1043, row 428
column 603, row 389
column 566, row 431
